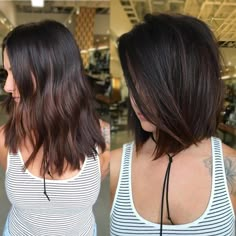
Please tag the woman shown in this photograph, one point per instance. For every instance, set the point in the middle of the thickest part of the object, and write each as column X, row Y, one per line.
column 172, row 179
column 51, row 142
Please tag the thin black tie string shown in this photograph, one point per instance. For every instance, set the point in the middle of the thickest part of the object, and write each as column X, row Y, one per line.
column 44, row 179
column 44, row 188
column 167, row 190
column 166, row 187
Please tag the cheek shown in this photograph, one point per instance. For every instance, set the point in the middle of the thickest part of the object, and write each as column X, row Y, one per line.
column 148, row 126
column 16, row 94
column 17, row 91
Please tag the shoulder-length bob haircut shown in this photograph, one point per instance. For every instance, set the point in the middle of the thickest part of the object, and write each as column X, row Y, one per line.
column 171, row 64
column 55, row 110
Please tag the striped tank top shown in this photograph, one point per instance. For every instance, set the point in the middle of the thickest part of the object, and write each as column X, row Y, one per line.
column 69, row 211
column 217, row 220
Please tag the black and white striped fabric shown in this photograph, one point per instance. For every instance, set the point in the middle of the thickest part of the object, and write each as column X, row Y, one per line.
column 217, row 220
column 69, row 211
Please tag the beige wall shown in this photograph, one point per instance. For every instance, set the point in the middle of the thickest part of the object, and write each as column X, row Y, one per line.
column 119, row 24
column 8, row 10
column 229, row 55
column 101, row 24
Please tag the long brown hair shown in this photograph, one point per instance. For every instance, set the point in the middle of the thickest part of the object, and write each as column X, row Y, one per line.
column 56, row 107
column 171, row 64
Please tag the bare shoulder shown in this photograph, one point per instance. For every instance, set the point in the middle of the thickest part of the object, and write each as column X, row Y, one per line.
column 105, row 156
column 116, row 156
column 2, row 136
column 106, row 130
column 228, row 150
column 104, row 163
column 116, row 161
column 3, row 149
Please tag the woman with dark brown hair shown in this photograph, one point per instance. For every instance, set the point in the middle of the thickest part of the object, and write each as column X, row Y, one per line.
column 52, row 146
column 172, row 180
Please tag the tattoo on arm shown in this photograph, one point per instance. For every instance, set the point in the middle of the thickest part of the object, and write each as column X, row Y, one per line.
column 106, row 136
column 230, row 172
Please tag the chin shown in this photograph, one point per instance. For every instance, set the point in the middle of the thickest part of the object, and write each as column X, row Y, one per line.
column 147, row 126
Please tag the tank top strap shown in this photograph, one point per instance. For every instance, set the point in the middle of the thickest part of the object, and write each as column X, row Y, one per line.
column 219, row 178
column 125, row 174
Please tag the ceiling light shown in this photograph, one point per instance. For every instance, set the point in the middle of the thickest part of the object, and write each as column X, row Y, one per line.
column 77, row 11
column 37, row 3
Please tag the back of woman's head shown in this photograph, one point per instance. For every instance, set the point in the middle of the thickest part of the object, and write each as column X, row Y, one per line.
column 172, row 68
column 55, row 100
column 46, row 50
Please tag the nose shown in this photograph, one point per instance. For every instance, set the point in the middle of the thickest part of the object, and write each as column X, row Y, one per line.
column 9, row 86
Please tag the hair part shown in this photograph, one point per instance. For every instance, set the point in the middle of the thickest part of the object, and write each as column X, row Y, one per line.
column 171, row 64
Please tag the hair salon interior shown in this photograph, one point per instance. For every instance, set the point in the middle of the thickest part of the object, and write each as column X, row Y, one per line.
column 96, row 26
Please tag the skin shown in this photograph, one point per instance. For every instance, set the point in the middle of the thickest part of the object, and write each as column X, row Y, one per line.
column 189, row 183
column 10, row 85
column 26, row 149
column 146, row 125
column 105, row 156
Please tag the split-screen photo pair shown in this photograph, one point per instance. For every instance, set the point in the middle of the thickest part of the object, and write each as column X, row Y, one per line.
column 118, row 118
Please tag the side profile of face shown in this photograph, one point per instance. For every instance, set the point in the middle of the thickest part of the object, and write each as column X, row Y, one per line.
column 10, row 84
column 146, row 125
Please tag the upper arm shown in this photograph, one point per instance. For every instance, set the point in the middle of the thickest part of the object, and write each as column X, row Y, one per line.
column 3, row 150
column 105, row 128
column 105, row 156
column 104, row 163
column 116, row 156
column 230, row 171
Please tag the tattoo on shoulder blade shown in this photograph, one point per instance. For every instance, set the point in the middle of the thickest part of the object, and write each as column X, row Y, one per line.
column 208, row 164
column 230, row 172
